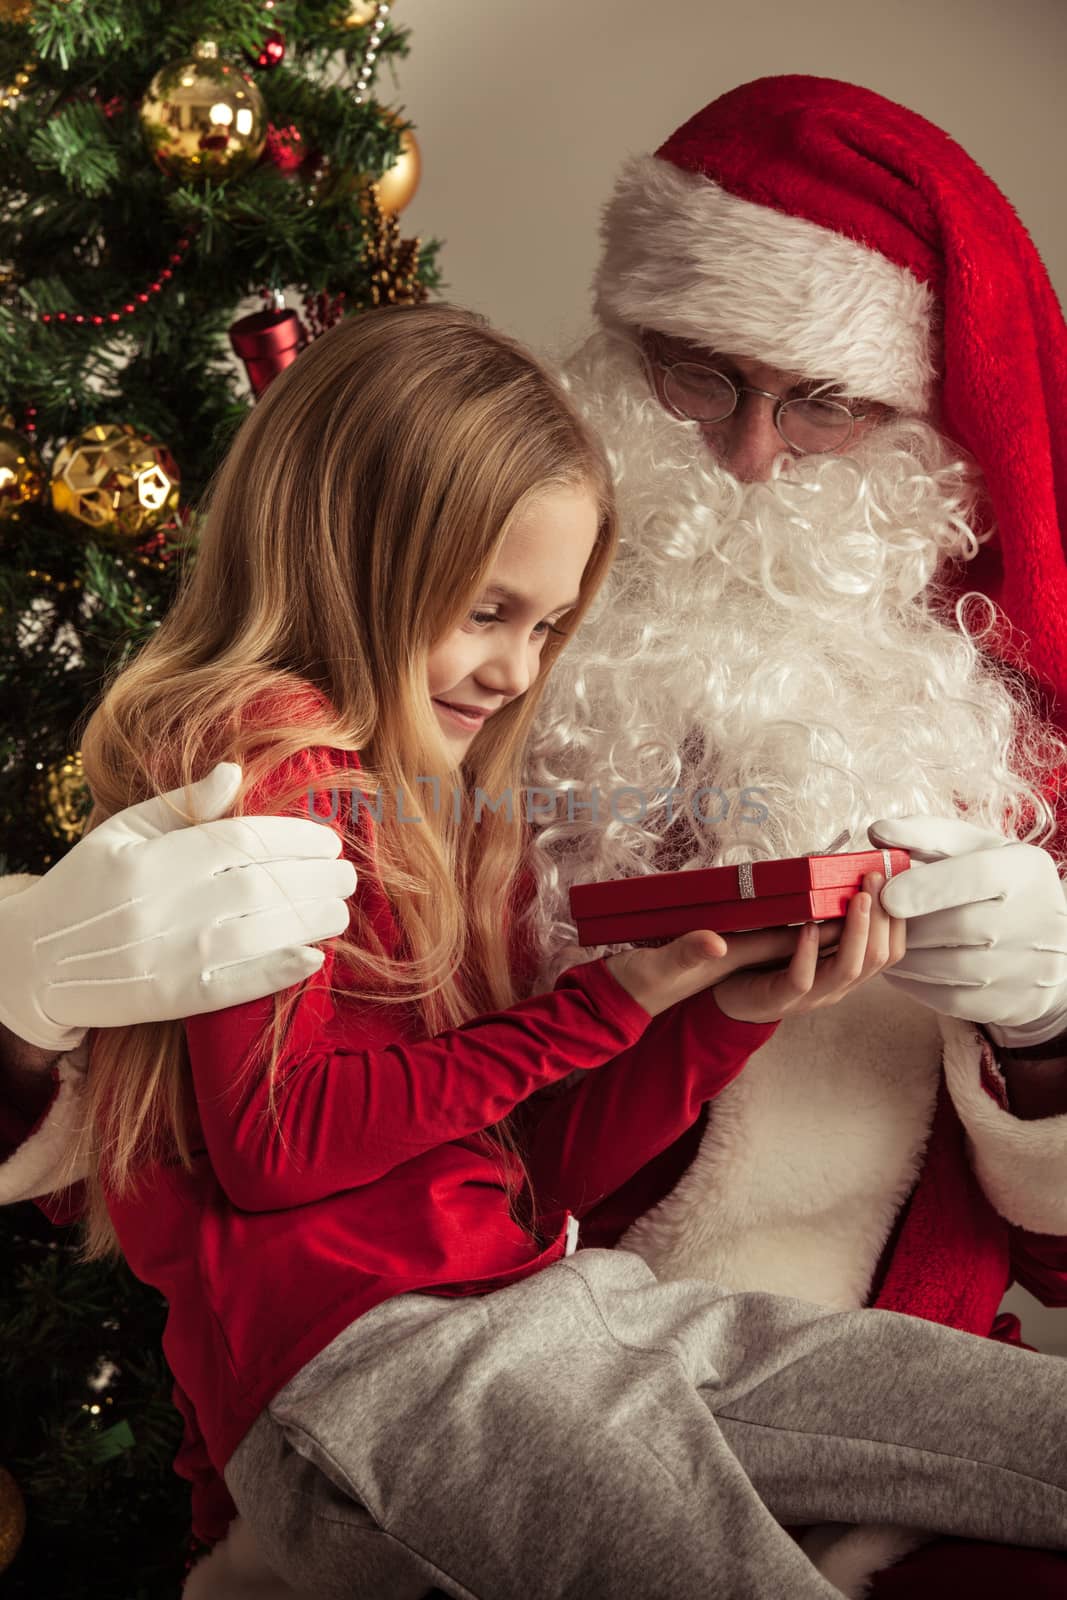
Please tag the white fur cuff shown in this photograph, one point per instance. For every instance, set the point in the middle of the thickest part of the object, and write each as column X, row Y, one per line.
column 40, row 1165
column 236, row 1569
column 848, row 1556
column 1021, row 1165
column 684, row 256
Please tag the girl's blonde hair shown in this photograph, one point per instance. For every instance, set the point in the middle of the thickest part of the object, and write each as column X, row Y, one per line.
column 356, row 516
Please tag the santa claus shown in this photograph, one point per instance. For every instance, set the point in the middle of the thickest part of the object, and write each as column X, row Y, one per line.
column 830, row 373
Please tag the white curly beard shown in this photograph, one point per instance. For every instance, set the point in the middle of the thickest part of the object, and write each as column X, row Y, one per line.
column 790, row 623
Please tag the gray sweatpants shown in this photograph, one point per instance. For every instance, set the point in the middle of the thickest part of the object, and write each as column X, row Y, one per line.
column 590, row 1433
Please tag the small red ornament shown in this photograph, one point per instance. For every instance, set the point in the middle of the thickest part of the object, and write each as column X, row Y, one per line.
column 272, row 50
column 267, row 342
column 158, row 547
column 285, row 149
column 323, row 311
column 112, row 107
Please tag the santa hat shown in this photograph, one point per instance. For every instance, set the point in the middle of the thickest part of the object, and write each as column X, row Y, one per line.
column 821, row 228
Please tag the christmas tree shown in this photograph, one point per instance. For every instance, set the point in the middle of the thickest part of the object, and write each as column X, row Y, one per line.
column 162, row 164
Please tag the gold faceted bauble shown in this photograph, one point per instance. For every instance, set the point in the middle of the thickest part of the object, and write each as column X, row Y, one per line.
column 115, row 481
column 397, row 185
column 22, row 477
column 203, row 118
column 12, row 1518
column 15, row 10
column 67, row 798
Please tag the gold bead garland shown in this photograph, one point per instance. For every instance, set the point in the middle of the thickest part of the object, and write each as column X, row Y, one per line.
column 11, row 93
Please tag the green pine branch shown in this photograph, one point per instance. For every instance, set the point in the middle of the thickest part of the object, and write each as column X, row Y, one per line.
column 88, row 222
column 77, row 142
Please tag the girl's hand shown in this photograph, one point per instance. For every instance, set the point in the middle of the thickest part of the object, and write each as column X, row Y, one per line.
column 659, row 978
column 870, row 941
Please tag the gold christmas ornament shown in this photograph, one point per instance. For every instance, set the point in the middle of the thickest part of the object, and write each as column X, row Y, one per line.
column 115, row 481
column 395, row 188
column 397, row 185
column 67, row 797
column 22, row 476
column 203, row 118
column 12, row 1518
column 360, row 12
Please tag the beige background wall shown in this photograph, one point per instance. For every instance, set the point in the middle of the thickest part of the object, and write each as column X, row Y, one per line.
column 526, row 108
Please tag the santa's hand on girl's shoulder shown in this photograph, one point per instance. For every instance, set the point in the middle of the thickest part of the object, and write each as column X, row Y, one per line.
column 169, row 909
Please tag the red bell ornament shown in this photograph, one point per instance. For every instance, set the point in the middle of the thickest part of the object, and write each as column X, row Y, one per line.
column 267, row 342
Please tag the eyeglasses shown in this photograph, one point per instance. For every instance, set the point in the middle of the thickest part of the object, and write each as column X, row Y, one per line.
column 809, row 425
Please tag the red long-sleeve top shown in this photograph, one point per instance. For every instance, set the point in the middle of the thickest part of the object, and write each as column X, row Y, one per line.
column 378, row 1181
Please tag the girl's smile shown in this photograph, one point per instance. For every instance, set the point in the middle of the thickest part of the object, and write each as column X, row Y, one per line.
column 464, row 719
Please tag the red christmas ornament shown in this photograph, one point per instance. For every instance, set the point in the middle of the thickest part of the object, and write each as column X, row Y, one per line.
column 267, row 342
column 285, row 149
column 109, row 108
column 272, row 50
column 323, row 311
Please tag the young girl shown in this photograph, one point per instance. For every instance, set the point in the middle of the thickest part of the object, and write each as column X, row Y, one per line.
column 361, row 1213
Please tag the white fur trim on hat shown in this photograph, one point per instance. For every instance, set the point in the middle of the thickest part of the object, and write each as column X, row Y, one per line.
column 687, row 258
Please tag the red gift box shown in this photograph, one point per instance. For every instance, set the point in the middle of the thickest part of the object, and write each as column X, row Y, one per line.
column 754, row 894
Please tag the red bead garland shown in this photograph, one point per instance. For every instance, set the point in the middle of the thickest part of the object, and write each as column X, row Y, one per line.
column 135, row 301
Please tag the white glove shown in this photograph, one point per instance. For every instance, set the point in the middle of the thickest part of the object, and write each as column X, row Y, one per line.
column 150, row 918
column 987, row 927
